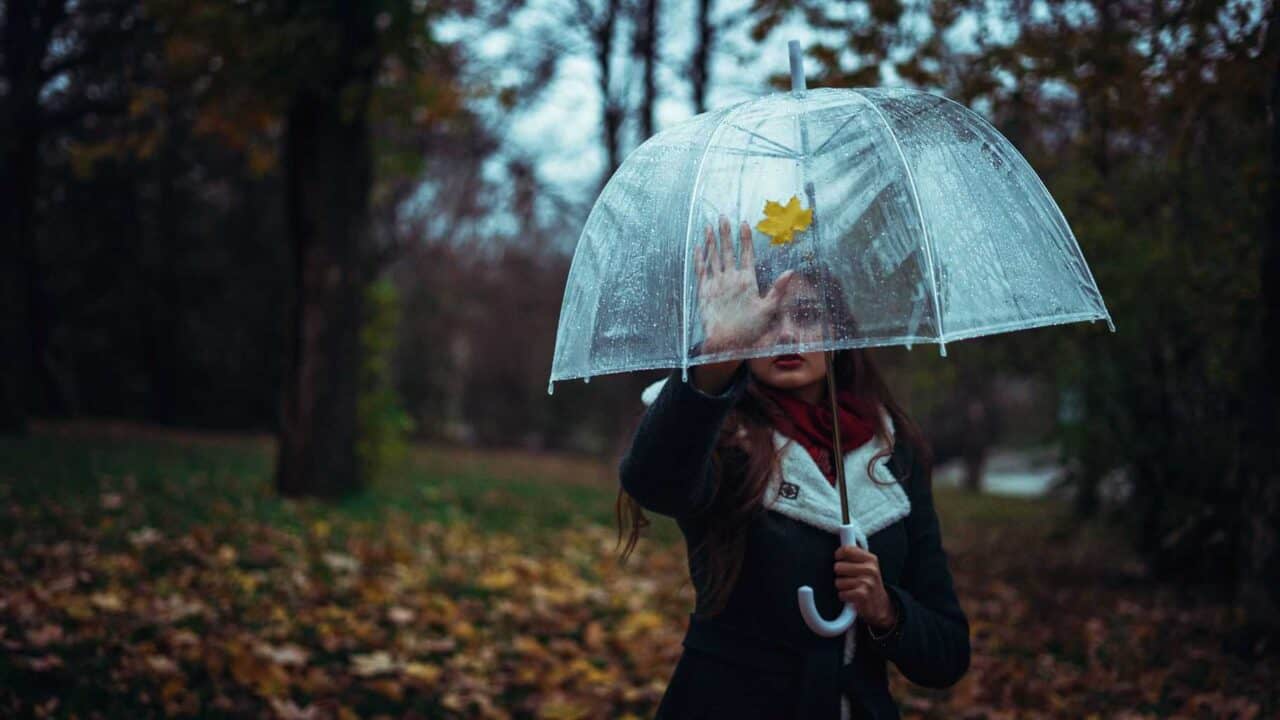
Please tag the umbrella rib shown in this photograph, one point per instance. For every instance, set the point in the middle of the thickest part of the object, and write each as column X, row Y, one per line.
column 915, row 195
column 788, row 152
column 727, row 150
column 688, row 228
column 834, row 133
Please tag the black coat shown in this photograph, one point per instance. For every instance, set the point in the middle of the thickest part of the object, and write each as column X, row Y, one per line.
column 757, row 658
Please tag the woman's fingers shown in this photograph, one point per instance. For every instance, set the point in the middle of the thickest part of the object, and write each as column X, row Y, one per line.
column 702, row 256
column 854, row 583
column 779, row 289
column 726, row 245
column 849, row 569
column 853, row 553
column 746, row 248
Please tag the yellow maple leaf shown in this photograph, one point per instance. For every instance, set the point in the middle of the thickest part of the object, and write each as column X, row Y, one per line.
column 781, row 221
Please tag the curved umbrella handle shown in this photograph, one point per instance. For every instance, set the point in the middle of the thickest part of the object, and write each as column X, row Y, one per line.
column 849, row 535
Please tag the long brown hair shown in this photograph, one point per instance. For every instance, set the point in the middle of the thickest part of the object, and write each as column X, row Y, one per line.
column 744, row 460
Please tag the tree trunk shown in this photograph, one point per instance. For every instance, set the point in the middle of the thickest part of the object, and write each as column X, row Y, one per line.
column 27, row 30
column 328, row 176
column 978, row 429
column 1260, row 592
column 1087, row 500
column 1102, row 101
column 161, row 299
column 612, row 105
column 17, row 177
column 701, row 71
column 647, row 51
column 976, row 443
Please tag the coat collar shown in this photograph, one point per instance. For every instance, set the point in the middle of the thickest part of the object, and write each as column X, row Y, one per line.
column 800, row 491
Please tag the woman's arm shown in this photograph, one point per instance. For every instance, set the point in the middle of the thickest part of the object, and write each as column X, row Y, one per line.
column 930, row 643
column 668, row 467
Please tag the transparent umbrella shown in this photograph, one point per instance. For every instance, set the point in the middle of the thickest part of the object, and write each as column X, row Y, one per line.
column 914, row 219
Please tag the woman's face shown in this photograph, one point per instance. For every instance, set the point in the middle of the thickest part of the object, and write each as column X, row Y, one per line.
column 800, row 320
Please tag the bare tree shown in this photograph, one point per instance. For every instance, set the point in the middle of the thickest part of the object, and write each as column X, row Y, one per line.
column 602, row 26
column 646, row 53
column 700, row 64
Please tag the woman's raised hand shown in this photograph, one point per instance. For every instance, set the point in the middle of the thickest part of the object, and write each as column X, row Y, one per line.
column 734, row 314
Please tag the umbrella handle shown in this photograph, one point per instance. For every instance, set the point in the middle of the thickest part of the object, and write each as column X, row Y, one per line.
column 849, row 535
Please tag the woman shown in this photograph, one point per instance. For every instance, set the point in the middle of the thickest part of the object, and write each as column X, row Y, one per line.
column 740, row 457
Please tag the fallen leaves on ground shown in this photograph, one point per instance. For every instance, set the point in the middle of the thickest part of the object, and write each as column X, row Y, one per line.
column 101, row 612
column 402, row 618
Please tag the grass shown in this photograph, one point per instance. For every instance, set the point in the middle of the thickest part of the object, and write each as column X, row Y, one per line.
column 194, row 478
column 191, row 479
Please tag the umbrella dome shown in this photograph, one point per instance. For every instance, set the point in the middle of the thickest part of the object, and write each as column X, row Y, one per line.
column 932, row 224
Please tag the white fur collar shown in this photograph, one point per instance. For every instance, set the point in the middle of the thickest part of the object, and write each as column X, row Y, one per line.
column 800, row 491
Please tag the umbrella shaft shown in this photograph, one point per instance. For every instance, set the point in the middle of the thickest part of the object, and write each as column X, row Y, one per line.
column 797, row 66
column 838, row 459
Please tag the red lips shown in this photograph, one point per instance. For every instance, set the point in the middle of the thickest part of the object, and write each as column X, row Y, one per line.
column 788, row 361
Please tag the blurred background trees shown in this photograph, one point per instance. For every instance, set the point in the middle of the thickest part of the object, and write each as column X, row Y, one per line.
column 327, row 220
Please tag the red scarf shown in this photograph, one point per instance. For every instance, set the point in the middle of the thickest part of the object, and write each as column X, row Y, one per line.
column 810, row 424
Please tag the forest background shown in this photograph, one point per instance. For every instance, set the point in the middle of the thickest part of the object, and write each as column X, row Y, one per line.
column 333, row 236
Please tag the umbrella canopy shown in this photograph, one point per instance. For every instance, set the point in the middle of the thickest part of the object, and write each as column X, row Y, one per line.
column 920, row 221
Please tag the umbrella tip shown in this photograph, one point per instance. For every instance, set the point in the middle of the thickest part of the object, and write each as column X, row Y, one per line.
column 551, row 387
column 942, row 349
column 797, row 67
